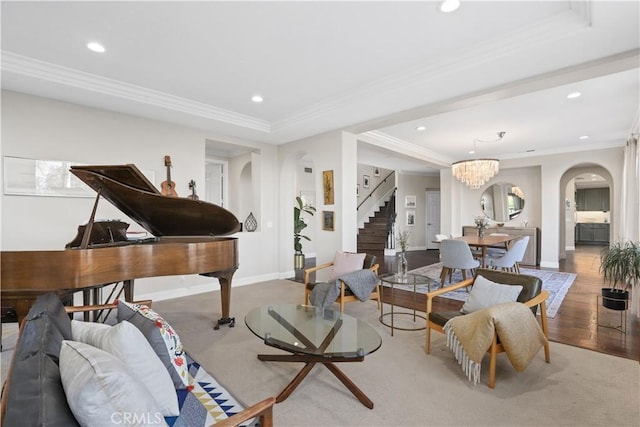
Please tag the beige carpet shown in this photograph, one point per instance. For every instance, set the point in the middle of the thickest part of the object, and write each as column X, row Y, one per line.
column 408, row 388
column 579, row 387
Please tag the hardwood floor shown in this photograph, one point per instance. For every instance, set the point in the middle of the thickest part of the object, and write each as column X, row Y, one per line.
column 575, row 323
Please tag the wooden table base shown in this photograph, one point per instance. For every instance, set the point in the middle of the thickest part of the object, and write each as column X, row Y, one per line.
column 310, row 361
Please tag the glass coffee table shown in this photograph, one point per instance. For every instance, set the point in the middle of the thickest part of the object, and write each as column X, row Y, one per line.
column 392, row 281
column 313, row 335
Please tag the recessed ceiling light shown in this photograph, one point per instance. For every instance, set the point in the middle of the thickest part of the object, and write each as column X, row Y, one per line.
column 96, row 47
column 574, row 95
column 447, row 6
column 421, row 128
column 584, row 137
column 472, row 151
column 257, row 99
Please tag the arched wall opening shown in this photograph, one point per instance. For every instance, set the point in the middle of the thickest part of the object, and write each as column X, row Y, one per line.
column 298, row 179
column 567, row 205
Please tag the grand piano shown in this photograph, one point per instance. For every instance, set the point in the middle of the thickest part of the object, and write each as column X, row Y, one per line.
column 188, row 238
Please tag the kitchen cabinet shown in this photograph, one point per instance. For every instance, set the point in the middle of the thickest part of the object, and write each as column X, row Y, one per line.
column 592, row 199
column 592, row 233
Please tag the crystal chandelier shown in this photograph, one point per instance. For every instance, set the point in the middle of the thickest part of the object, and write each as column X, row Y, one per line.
column 475, row 172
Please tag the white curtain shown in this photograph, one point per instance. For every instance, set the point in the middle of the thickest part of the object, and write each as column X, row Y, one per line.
column 630, row 229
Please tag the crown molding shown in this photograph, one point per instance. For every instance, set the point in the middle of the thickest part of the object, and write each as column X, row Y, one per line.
column 34, row 68
column 561, row 25
column 388, row 142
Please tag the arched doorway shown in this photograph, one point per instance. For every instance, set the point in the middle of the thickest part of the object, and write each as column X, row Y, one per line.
column 586, row 208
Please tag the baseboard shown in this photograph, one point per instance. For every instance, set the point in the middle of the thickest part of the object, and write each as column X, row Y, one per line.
column 204, row 287
column 549, row 264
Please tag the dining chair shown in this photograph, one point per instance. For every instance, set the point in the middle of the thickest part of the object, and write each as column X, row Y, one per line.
column 495, row 251
column 512, row 258
column 456, row 255
column 441, row 237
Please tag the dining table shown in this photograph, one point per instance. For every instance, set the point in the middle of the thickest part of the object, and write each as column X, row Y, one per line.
column 485, row 241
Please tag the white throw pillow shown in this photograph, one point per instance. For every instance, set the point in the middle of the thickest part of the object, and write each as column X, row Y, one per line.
column 101, row 391
column 486, row 293
column 128, row 344
column 345, row 263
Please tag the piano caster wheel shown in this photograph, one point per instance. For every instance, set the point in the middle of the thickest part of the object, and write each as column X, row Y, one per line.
column 231, row 321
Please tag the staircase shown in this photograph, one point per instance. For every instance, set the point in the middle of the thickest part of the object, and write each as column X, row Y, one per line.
column 372, row 238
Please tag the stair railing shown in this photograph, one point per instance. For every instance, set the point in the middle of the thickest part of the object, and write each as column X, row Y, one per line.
column 391, row 221
column 370, row 195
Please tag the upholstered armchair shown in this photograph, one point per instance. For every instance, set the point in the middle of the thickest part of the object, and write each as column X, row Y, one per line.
column 343, row 263
column 531, row 296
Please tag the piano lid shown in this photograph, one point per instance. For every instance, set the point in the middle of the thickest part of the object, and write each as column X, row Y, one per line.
column 131, row 192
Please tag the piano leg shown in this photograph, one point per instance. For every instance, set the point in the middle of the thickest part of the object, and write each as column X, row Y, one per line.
column 86, row 300
column 128, row 290
column 224, row 277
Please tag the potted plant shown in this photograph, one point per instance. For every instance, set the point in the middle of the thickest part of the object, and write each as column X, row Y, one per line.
column 620, row 266
column 298, row 225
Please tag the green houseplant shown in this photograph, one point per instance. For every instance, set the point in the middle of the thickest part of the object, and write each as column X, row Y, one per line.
column 298, row 225
column 620, row 266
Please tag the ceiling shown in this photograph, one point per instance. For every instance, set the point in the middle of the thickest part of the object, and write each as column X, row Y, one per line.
column 379, row 69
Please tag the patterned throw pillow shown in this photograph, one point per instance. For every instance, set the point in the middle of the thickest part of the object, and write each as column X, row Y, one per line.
column 163, row 339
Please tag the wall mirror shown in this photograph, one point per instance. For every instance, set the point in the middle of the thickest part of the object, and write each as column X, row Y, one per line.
column 502, row 201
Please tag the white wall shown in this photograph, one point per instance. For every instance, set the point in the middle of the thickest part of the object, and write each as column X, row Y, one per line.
column 40, row 128
column 334, row 151
column 414, row 185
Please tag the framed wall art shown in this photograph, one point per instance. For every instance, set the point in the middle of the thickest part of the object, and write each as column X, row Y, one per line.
column 376, row 171
column 409, row 201
column 327, row 185
column 51, row 178
column 327, row 220
column 365, row 181
column 411, row 217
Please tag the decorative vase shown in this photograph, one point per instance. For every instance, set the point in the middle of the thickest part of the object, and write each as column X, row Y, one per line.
column 481, row 232
column 298, row 261
column 251, row 223
column 402, row 266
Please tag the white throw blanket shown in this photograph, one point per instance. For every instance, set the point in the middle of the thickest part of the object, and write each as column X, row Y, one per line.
column 470, row 336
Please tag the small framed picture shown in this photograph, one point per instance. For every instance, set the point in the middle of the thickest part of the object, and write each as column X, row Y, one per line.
column 411, row 217
column 365, row 181
column 409, row 201
column 376, row 171
column 327, row 220
column 327, row 184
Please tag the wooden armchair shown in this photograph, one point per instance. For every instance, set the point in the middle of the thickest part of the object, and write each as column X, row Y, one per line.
column 531, row 295
column 345, row 293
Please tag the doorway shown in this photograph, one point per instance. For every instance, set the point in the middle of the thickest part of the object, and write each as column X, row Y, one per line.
column 432, row 217
column 586, row 217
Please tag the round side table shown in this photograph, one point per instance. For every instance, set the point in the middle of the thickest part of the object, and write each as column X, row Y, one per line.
column 393, row 280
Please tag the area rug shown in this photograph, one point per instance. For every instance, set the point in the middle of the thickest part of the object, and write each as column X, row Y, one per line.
column 557, row 283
